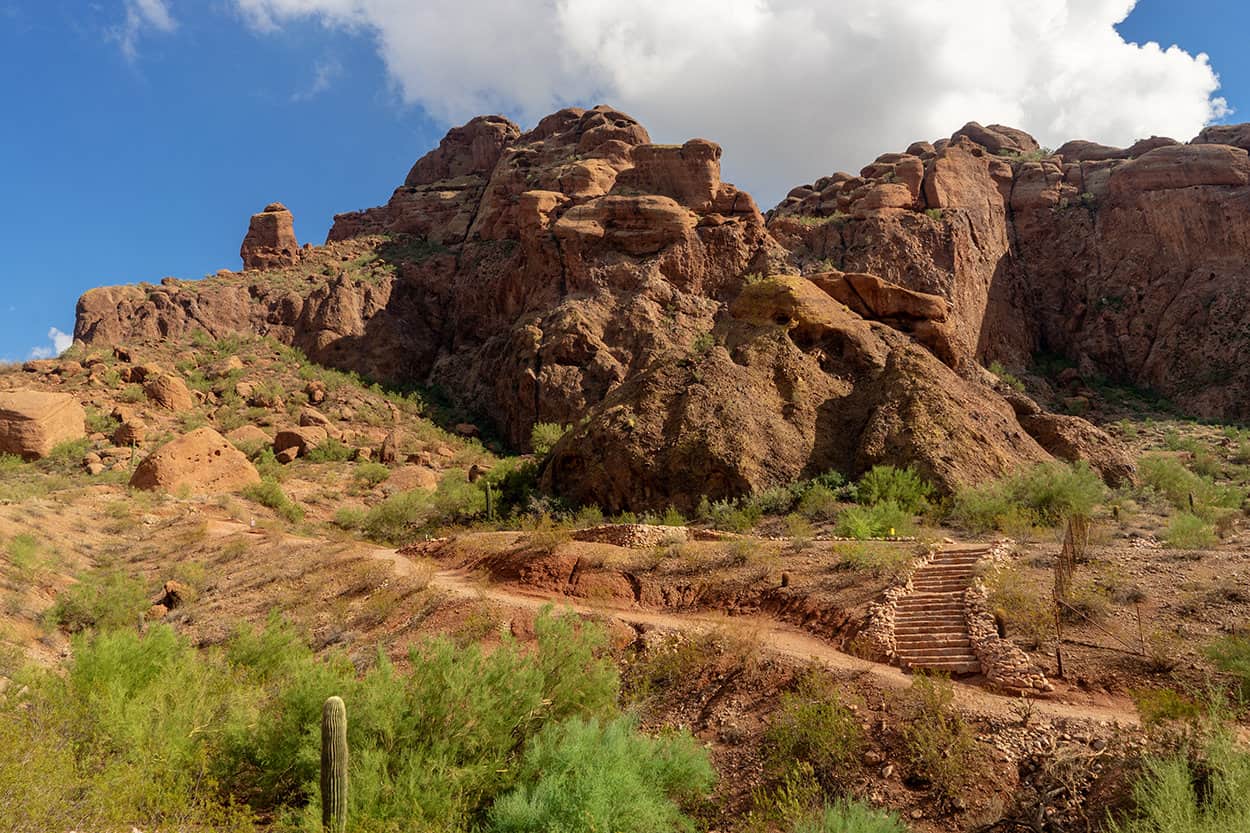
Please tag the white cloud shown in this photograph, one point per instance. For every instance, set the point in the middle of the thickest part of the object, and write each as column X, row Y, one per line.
column 60, row 343
column 141, row 15
column 325, row 73
column 793, row 89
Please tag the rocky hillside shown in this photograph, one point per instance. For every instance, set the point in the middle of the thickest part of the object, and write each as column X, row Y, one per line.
column 580, row 274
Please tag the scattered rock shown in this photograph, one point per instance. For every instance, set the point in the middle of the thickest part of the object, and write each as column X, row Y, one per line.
column 169, row 392
column 300, row 440
column 202, row 461
column 32, row 423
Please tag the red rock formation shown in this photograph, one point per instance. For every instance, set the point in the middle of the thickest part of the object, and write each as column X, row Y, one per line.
column 270, row 242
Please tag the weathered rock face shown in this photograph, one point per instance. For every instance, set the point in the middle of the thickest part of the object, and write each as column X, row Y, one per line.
column 1129, row 261
column 578, row 273
column 270, row 242
column 32, row 423
column 201, row 461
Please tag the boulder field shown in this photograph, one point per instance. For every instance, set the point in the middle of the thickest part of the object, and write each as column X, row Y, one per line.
column 580, row 274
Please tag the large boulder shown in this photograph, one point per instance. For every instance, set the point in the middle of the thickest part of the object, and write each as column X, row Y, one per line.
column 270, row 242
column 1074, row 439
column 169, row 392
column 201, row 461
column 32, row 423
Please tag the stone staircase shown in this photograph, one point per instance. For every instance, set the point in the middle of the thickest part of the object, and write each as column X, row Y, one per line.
column 930, row 632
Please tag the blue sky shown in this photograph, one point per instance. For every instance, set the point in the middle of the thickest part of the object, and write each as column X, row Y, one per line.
column 139, row 135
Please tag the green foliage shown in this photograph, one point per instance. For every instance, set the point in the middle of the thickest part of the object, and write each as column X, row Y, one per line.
column 100, row 422
column 1043, row 495
column 330, row 451
column 728, row 516
column 148, row 731
column 105, row 600
column 879, row 559
column 939, row 748
column 371, row 475
column 132, row 394
column 544, row 436
column 1006, row 377
column 1189, row 532
column 934, row 214
column 1178, row 794
column 66, row 458
column 902, row 487
column 22, row 550
column 1025, row 609
column 703, row 344
column 819, row 503
column 846, row 816
column 813, row 726
column 1175, row 483
column 776, row 500
column 1162, row 705
column 589, row 775
column 10, row 463
column 334, row 764
column 1232, row 656
column 402, row 515
column 876, row 521
column 269, row 493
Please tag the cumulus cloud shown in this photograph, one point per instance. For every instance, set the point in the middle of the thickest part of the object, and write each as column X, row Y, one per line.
column 793, row 89
column 141, row 16
column 60, row 343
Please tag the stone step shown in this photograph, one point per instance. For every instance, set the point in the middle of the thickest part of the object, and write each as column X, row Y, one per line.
column 916, row 616
column 940, row 652
column 917, row 607
column 930, row 639
column 952, row 667
column 931, row 630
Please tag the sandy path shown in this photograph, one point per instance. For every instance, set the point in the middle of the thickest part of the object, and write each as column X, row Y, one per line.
column 772, row 636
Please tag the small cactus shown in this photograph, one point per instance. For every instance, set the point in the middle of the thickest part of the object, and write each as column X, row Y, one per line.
column 334, row 766
column 490, row 503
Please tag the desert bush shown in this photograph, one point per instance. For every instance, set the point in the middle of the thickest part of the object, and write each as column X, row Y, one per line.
column 879, row 559
column 100, row 422
column 1162, row 705
column 938, row 746
column 330, row 451
column 1171, row 480
column 845, row 816
column 1006, row 377
column 1231, row 655
column 818, row 503
column 1189, row 532
column 776, row 500
column 728, row 516
column 22, row 550
column 887, row 484
column 545, row 435
column 876, row 521
column 371, row 475
column 132, row 394
column 591, row 775
column 1208, row 793
column 1026, row 611
column 1043, row 495
column 812, row 725
column 146, row 730
column 66, row 458
column 104, row 599
column 269, row 493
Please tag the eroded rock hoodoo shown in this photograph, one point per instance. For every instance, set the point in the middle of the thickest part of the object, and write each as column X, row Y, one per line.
column 270, row 242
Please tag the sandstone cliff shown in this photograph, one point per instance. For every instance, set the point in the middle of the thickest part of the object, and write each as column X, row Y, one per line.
column 579, row 273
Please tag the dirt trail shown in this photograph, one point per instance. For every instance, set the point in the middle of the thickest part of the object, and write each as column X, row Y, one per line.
column 772, row 636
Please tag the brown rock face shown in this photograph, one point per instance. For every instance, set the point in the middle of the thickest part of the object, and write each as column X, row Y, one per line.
column 169, row 392
column 32, row 423
column 578, row 273
column 201, row 461
column 270, row 242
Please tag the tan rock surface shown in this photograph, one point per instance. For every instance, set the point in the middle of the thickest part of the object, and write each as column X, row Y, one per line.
column 201, row 461
column 32, row 423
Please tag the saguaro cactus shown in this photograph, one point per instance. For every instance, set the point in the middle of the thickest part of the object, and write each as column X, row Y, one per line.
column 334, row 766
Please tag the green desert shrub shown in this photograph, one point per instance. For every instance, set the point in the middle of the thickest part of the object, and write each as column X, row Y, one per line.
column 1043, row 495
column 1189, row 532
column 269, row 493
column 371, row 475
column 812, row 725
column 1181, row 794
column 106, row 600
column 818, row 503
column 146, row 730
column 902, row 487
column 876, row 521
column 593, row 775
column 545, row 435
column 845, row 816
column 939, row 748
column 330, row 451
column 1231, row 655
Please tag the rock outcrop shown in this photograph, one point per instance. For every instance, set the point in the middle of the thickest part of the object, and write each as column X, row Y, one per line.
column 32, row 423
column 578, row 273
column 202, row 462
column 270, row 242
